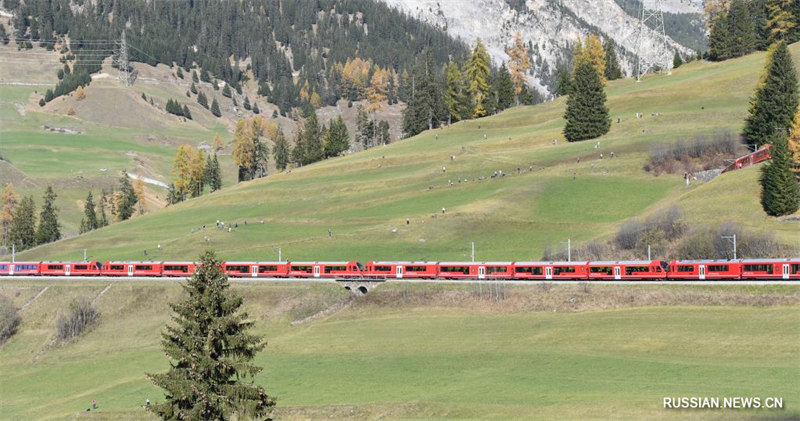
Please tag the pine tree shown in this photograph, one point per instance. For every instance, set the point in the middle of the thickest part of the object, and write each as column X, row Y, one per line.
column 281, row 150
column 478, row 71
column 226, row 91
column 337, row 139
column 422, row 110
column 126, row 198
column 215, row 108
column 780, row 193
column 383, row 132
column 719, row 39
column 8, row 205
column 613, row 70
column 194, row 77
column 89, row 221
column 562, row 81
column 587, row 115
column 244, row 150
column 312, row 139
column 591, row 51
column 505, row 89
column 455, row 93
column 215, row 179
column 742, row 31
column 210, row 353
column 246, row 104
column 202, row 100
column 775, row 102
column 186, row 112
column 49, row 229
column 23, row 226
column 255, row 108
column 193, row 88
column 781, row 20
column 677, row 61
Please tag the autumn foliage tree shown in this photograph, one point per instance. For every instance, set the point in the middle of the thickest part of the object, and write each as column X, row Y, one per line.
column 8, row 204
column 518, row 63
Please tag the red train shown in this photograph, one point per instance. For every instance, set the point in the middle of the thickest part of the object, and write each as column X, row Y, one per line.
column 697, row 270
column 752, row 158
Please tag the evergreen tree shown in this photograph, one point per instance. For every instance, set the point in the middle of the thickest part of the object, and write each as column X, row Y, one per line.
column 478, row 71
column 383, row 132
column 742, row 31
column 587, row 115
column 281, row 150
column 613, row 70
column 101, row 210
column 126, row 199
column 505, row 89
column 780, row 193
column 202, row 100
column 312, row 139
column 226, row 91
column 337, row 139
column 23, row 226
column 215, row 175
column 89, row 221
column 193, row 88
column 255, row 108
column 677, row 61
column 246, row 104
column 562, row 81
column 210, row 353
column 215, row 108
column 719, row 39
column 455, row 94
column 194, row 77
column 775, row 102
column 781, row 20
column 49, row 229
column 186, row 112
column 421, row 112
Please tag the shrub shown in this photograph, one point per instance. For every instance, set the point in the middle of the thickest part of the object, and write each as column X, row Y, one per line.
column 70, row 111
column 82, row 314
column 709, row 243
column 9, row 318
column 690, row 155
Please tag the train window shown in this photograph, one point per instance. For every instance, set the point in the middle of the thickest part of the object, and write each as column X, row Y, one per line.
column 117, row 267
column 496, row 269
column 416, row 269
column 262, row 268
column 718, row 268
column 176, row 268
column 55, row 267
column 629, row 270
column 795, row 268
column 758, row 268
column 144, row 267
column 531, row 270
column 306, row 269
column 563, row 269
column 81, row 267
column 3, row 267
column 686, row 268
column 382, row 268
column 456, row 269
column 329, row 269
column 601, row 269
column 239, row 269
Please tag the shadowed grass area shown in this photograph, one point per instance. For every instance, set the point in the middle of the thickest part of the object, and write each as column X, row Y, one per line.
column 428, row 351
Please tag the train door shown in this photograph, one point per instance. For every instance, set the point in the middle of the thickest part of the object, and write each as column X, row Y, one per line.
column 701, row 270
column 617, row 273
column 130, row 270
column 316, row 271
column 11, row 269
column 785, row 271
column 254, row 271
column 481, row 272
column 548, row 272
column 66, row 270
column 399, row 271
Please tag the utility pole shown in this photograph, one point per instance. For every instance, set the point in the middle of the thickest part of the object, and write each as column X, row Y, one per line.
column 648, row 252
column 732, row 237
column 279, row 253
column 569, row 249
column 473, row 252
column 121, row 60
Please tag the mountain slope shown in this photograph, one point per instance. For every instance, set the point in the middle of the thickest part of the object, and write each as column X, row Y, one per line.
column 365, row 199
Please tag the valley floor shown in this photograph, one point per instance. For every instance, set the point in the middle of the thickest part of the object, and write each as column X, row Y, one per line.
column 429, row 351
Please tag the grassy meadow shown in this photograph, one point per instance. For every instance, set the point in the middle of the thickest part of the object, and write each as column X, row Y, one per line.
column 428, row 352
column 386, row 202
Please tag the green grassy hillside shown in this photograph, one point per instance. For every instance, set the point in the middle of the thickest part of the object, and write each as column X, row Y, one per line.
column 365, row 199
column 428, row 352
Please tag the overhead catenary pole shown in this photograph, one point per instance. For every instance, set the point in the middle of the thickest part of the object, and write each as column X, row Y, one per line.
column 732, row 237
column 473, row 251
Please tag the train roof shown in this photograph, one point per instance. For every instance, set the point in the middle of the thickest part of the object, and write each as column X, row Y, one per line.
column 773, row 260
column 134, row 262
column 707, row 261
column 343, row 262
column 475, row 263
column 392, row 262
column 573, row 263
column 623, row 262
column 257, row 263
column 179, row 263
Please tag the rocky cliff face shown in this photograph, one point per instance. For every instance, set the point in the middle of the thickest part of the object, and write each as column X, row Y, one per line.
column 551, row 27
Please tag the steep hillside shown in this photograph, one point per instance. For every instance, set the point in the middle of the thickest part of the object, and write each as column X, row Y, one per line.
column 430, row 196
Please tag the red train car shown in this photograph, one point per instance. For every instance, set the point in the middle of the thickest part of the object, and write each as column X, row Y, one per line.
column 350, row 269
column 132, row 268
column 704, row 269
column 752, row 158
column 771, row 269
column 550, row 270
column 240, row 269
column 399, row 270
column 19, row 268
column 91, row 268
column 473, row 270
column 178, row 268
column 628, row 269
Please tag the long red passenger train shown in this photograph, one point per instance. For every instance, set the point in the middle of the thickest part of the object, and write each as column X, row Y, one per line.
column 694, row 270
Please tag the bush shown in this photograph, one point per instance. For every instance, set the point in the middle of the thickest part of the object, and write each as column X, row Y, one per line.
column 82, row 314
column 9, row 318
column 709, row 243
column 701, row 152
column 664, row 225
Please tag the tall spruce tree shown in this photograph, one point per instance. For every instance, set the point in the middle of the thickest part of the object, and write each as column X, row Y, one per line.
column 126, row 199
column 505, row 89
column 311, row 139
column 780, row 193
column 612, row 71
column 49, row 228
column 89, row 221
column 719, row 39
column 773, row 107
column 215, row 108
column 23, row 226
column 423, row 106
column 742, row 30
column 478, row 71
column 587, row 115
column 337, row 139
column 455, row 93
column 280, row 151
column 210, row 352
